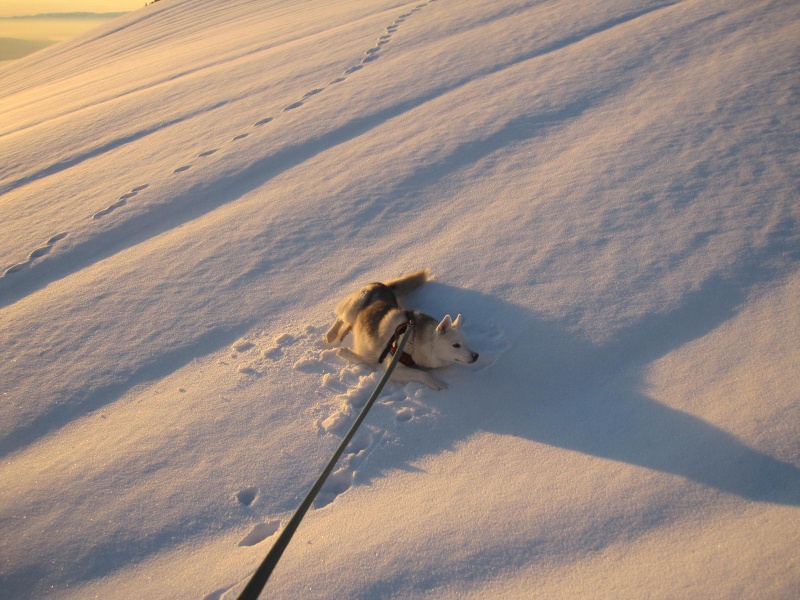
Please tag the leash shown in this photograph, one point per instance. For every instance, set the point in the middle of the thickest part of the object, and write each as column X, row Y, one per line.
column 262, row 574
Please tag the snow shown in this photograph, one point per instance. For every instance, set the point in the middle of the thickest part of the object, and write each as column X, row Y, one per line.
column 607, row 192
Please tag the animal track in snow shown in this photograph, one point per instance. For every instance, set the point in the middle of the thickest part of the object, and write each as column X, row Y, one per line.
column 110, row 208
column 121, row 201
column 260, row 532
column 262, row 122
column 182, row 169
column 207, row 153
column 247, row 496
column 292, row 106
column 37, row 253
column 404, row 414
column 242, row 346
column 241, row 136
column 254, row 364
column 218, row 593
column 342, row 479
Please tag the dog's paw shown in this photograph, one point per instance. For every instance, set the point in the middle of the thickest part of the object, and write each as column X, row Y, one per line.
column 435, row 384
column 333, row 333
column 349, row 356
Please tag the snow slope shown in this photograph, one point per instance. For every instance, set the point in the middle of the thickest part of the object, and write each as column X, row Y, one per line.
column 608, row 192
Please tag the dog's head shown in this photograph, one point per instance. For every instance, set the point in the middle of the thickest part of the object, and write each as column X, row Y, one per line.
column 451, row 344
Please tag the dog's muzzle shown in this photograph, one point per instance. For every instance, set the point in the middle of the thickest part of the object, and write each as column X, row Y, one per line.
column 474, row 357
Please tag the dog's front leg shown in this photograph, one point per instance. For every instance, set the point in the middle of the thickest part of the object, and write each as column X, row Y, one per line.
column 351, row 356
column 404, row 374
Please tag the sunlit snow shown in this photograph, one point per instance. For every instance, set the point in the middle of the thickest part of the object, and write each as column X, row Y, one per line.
column 608, row 192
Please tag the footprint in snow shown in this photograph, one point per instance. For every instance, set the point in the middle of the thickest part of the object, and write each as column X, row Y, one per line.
column 313, row 92
column 121, row 201
column 182, row 169
column 14, row 268
column 260, row 532
column 242, row 346
column 292, row 106
column 55, row 238
column 110, row 208
column 324, row 362
column 207, row 153
column 262, row 122
column 241, row 136
column 247, row 496
column 39, row 252
column 253, row 367
column 337, row 483
column 342, row 479
column 217, row 594
column 404, row 414
column 279, row 344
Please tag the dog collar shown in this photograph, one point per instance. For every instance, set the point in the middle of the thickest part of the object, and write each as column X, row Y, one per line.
column 391, row 346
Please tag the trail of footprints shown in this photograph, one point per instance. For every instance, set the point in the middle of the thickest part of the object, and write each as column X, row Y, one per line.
column 345, row 389
column 370, row 55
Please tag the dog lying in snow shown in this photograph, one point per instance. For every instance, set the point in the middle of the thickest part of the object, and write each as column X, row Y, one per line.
column 376, row 319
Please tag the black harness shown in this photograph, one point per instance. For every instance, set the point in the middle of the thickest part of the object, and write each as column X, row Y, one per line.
column 391, row 347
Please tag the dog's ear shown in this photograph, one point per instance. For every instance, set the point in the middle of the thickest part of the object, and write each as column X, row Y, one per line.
column 445, row 325
column 457, row 321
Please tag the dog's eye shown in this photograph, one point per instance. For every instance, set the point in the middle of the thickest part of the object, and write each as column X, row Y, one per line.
column 456, row 345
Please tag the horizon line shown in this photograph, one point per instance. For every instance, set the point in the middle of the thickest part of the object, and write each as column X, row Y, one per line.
column 68, row 15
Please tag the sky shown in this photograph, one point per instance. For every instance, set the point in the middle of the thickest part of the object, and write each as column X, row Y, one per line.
column 17, row 31
column 11, row 8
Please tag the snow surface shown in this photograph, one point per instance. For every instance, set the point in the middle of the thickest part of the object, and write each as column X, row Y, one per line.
column 607, row 191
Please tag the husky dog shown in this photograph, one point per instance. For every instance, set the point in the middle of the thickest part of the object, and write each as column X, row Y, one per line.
column 377, row 321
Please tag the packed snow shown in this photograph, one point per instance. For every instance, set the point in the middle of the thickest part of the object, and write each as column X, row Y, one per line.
column 608, row 192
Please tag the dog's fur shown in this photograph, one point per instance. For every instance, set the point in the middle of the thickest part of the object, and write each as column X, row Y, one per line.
column 373, row 314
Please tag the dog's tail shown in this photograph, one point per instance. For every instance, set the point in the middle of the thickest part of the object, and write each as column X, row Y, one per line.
column 408, row 283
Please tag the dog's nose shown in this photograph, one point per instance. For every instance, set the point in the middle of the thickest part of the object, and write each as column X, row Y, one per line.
column 474, row 356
